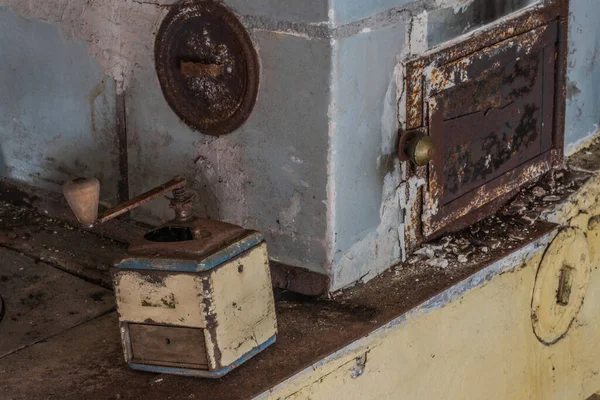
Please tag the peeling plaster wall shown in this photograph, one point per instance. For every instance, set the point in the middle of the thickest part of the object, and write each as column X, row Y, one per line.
column 347, row 11
column 314, row 12
column 117, row 33
column 314, row 167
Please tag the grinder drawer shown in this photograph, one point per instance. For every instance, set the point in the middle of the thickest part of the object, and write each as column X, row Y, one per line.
column 168, row 345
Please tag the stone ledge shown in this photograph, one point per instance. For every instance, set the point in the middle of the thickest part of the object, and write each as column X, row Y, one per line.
column 309, row 331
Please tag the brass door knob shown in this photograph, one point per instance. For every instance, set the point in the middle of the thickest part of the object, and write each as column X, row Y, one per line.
column 420, row 149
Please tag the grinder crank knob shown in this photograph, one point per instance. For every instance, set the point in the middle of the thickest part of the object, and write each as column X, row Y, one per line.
column 83, row 195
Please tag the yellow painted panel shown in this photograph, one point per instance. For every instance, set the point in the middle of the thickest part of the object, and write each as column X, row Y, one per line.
column 243, row 304
column 176, row 299
column 479, row 346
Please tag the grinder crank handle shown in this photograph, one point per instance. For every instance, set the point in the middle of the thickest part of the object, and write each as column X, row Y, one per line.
column 143, row 198
column 83, row 194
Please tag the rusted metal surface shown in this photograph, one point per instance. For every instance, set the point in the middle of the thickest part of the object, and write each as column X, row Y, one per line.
column 487, row 123
column 493, row 106
column 207, row 66
column 414, row 103
column 181, row 203
column 199, row 70
column 190, row 240
column 488, row 198
column 173, row 184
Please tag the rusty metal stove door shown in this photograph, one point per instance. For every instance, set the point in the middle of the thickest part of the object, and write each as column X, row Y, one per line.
column 490, row 116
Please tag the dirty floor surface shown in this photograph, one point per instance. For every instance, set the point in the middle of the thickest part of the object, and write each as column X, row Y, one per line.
column 59, row 337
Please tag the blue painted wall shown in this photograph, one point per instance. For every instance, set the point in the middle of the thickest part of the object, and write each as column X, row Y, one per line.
column 363, row 70
column 346, row 11
column 583, row 73
column 312, row 11
column 364, row 126
column 445, row 24
column 58, row 121
column 57, row 108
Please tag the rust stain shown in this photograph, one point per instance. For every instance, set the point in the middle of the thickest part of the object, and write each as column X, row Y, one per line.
column 94, row 93
column 486, row 194
column 414, row 100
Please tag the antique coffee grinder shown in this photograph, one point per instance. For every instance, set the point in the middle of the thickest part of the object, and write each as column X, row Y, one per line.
column 194, row 296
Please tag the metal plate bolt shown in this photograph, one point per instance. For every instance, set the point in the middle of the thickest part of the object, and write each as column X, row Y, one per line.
column 565, row 281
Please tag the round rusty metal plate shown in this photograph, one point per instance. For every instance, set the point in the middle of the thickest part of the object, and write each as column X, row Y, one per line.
column 207, row 66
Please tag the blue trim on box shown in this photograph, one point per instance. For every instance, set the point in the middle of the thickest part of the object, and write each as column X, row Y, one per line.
column 200, row 373
column 208, row 263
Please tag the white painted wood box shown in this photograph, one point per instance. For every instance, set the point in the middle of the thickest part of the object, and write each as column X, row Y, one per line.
column 195, row 299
